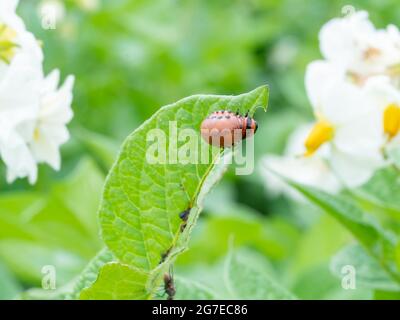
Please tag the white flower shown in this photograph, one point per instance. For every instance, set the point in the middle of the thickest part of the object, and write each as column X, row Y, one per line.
column 354, row 43
column 14, row 38
column 20, row 76
column 33, row 117
column 320, row 78
column 394, row 35
column 386, row 98
column 19, row 105
column 33, row 110
column 356, row 105
column 347, row 122
column 54, row 114
column 312, row 171
column 17, row 156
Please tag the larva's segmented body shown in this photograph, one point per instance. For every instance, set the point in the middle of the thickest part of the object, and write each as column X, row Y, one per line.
column 225, row 128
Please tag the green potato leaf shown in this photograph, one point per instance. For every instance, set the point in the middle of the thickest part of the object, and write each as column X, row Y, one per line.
column 142, row 201
column 247, row 277
column 378, row 242
column 187, row 289
column 382, row 191
column 367, row 270
column 117, row 281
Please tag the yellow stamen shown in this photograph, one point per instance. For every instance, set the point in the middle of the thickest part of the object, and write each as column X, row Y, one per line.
column 357, row 79
column 7, row 44
column 391, row 120
column 393, row 70
column 371, row 53
column 36, row 134
column 320, row 133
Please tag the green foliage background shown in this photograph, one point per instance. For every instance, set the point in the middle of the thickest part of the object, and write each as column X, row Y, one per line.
column 132, row 57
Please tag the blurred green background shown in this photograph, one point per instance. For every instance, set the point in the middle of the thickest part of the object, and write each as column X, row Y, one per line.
column 130, row 57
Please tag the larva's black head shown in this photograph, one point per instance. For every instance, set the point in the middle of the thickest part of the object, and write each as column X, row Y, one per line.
column 248, row 122
column 251, row 124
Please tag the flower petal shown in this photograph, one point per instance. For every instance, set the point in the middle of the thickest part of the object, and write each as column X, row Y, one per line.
column 320, row 77
column 353, row 169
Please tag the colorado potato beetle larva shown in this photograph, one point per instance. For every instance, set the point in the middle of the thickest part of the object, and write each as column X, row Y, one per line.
column 225, row 128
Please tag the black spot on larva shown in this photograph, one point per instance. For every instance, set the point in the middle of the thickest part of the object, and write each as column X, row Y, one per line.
column 248, row 123
column 227, row 117
column 220, row 117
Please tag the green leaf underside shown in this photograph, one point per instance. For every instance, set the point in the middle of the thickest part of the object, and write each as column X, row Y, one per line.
column 117, row 281
column 187, row 289
column 246, row 277
column 139, row 214
column 380, row 244
column 368, row 271
column 90, row 273
column 383, row 189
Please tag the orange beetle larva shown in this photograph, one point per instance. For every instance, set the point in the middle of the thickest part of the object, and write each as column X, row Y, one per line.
column 225, row 128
